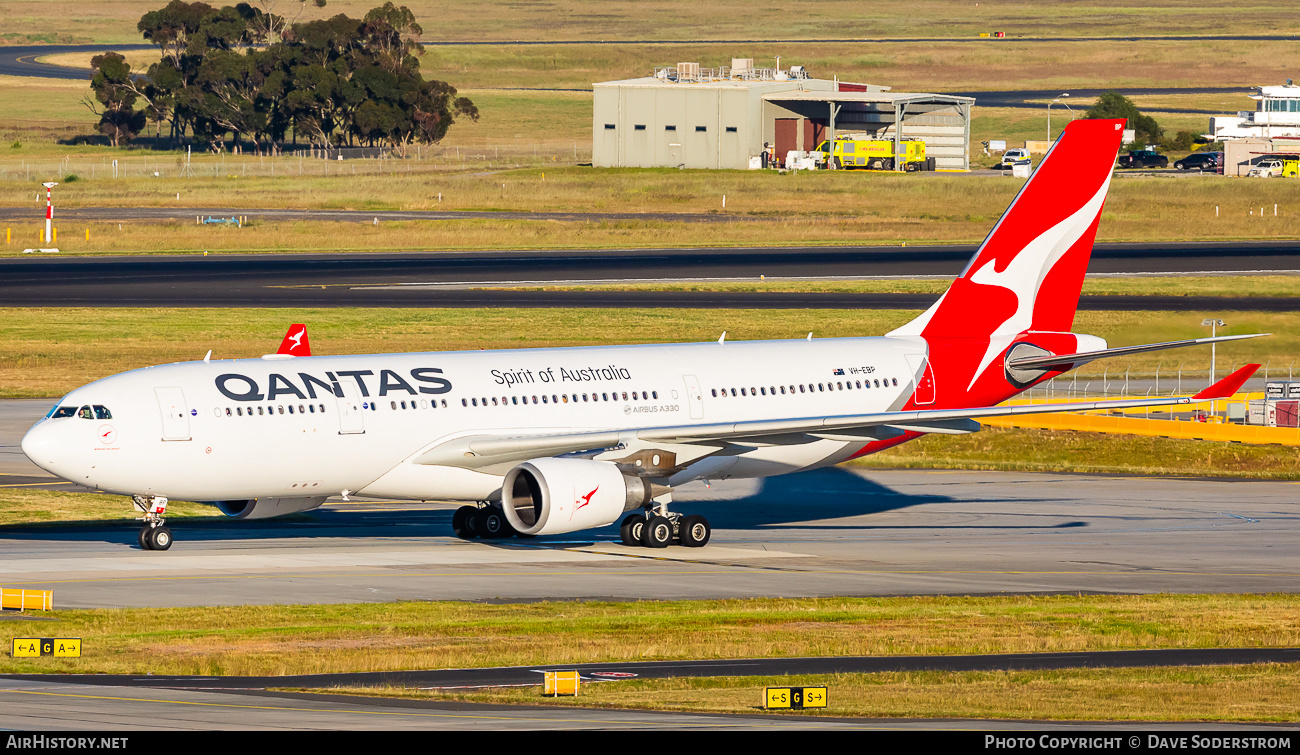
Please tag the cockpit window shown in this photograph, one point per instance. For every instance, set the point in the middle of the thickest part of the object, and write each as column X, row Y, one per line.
column 59, row 412
column 102, row 412
column 84, row 413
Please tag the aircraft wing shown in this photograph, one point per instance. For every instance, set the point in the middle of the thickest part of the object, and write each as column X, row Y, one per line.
column 483, row 451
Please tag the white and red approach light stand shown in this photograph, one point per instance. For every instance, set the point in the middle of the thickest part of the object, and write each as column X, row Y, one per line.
column 49, row 212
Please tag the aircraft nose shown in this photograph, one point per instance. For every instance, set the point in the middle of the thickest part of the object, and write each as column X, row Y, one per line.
column 41, row 446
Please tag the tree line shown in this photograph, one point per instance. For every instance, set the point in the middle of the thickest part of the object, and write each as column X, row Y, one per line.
column 245, row 73
column 1145, row 128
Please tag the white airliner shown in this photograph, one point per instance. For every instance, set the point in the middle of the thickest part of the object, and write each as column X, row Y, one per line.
column 549, row 441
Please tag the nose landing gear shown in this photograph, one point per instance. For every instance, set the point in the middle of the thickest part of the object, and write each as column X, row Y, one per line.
column 154, row 535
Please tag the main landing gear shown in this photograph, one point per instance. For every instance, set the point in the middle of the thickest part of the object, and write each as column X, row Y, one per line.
column 154, row 535
column 487, row 521
column 661, row 528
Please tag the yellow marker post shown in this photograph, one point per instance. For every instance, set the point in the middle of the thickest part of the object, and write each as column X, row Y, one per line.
column 8, row 235
column 55, row 238
column 87, row 234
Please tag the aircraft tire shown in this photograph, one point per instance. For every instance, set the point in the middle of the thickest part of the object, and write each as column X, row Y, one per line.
column 695, row 531
column 143, row 538
column 631, row 528
column 462, row 522
column 160, row 539
column 657, row 532
column 490, row 522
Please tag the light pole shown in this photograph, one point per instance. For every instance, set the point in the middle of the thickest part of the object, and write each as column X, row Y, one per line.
column 49, row 212
column 1049, row 112
column 1214, row 324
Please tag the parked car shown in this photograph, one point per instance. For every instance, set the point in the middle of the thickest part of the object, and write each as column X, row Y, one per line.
column 1143, row 158
column 1013, row 157
column 1204, row 161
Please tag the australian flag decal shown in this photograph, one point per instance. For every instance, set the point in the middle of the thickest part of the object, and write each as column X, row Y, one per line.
column 839, row 371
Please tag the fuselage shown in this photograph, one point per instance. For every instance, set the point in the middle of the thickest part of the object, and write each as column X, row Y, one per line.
column 319, row 426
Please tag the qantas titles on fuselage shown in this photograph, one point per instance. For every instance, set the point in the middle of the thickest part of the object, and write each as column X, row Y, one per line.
column 423, row 380
column 388, row 381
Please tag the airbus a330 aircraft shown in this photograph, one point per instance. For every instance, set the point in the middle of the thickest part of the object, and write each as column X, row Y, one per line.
column 549, row 441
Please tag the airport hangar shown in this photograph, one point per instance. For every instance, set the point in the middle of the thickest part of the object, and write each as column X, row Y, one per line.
column 692, row 117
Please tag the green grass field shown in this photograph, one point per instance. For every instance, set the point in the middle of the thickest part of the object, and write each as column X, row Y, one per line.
column 62, row 21
column 47, row 352
column 1257, row 693
column 821, row 208
column 300, row 639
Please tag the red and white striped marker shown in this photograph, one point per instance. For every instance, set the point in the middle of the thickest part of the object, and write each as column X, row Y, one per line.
column 49, row 213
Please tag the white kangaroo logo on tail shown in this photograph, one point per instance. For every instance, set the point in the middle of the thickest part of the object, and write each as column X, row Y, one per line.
column 1027, row 270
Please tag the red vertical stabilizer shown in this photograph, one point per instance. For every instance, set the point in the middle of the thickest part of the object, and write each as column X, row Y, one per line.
column 295, row 342
column 1026, row 276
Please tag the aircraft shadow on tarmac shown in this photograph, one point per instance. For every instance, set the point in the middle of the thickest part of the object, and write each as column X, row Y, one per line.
column 821, row 499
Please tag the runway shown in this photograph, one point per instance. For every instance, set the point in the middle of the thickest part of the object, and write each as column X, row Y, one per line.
column 456, row 279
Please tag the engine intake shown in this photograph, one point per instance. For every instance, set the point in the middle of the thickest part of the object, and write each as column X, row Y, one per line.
column 265, row 508
column 553, row 496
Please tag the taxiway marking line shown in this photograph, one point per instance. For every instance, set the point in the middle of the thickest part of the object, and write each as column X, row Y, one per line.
column 34, row 484
column 337, row 711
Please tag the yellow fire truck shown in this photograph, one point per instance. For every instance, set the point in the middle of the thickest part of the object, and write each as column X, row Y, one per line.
column 875, row 154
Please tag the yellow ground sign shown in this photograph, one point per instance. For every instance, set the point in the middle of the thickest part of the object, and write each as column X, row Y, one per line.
column 794, row 698
column 26, row 600
column 35, row 647
column 560, row 683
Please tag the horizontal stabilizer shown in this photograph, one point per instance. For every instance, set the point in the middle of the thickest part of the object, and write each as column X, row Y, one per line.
column 1228, row 386
column 1069, row 361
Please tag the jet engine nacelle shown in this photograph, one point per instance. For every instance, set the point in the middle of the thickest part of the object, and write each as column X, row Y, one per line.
column 265, row 508
column 552, row 496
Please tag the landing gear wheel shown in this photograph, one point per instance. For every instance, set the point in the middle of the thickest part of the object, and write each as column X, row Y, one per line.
column 160, row 539
column 631, row 528
column 462, row 523
column 143, row 538
column 657, row 532
column 695, row 531
column 490, row 523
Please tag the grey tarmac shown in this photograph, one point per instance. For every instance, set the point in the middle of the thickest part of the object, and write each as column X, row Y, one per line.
column 843, row 531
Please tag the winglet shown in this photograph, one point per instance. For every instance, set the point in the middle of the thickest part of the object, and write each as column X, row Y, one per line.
column 295, row 341
column 1228, row 386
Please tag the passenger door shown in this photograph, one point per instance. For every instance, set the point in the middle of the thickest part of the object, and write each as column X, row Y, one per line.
column 924, row 378
column 351, row 419
column 175, row 413
column 694, row 396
